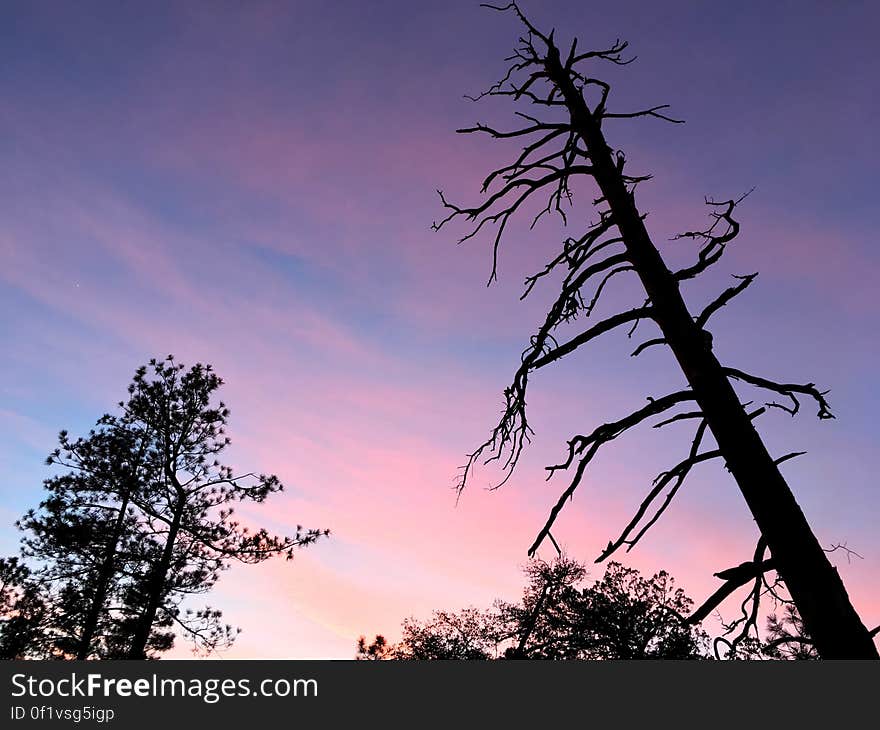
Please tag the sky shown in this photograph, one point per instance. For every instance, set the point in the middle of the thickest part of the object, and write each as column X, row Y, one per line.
column 253, row 185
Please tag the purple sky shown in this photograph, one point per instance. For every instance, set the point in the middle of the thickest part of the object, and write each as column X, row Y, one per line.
column 252, row 185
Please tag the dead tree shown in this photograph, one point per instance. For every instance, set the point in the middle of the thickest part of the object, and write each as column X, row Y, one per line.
column 564, row 142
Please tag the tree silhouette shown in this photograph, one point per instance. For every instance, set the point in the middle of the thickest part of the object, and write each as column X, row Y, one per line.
column 24, row 614
column 787, row 637
column 86, row 533
column 564, row 142
column 145, row 518
column 469, row 634
column 377, row 650
column 188, row 504
column 549, row 584
column 13, row 576
column 621, row 616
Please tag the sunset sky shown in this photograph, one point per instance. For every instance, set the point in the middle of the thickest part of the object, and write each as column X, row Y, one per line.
column 253, row 185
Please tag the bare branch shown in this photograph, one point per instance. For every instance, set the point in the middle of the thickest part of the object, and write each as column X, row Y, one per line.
column 513, row 432
column 654, row 111
column 613, row 55
column 724, row 298
column 678, row 473
column 734, row 578
column 521, row 189
column 748, row 620
column 790, row 390
column 645, row 345
column 792, row 455
column 619, row 270
column 606, row 325
column 591, row 444
column 525, row 21
column 679, row 417
column 609, row 431
column 575, row 252
column 554, row 129
column 675, row 476
column 714, row 243
column 848, row 551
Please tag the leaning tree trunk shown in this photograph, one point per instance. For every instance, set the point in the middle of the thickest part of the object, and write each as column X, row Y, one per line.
column 138, row 647
column 813, row 582
column 557, row 152
column 105, row 576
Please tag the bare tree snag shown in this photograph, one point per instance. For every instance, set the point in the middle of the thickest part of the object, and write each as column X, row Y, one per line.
column 571, row 145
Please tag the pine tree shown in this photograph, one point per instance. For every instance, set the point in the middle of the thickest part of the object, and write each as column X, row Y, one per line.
column 24, row 614
column 142, row 519
column 188, row 506
column 86, row 530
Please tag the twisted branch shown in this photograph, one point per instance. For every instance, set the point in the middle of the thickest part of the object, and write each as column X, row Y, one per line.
column 790, row 390
column 714, row 243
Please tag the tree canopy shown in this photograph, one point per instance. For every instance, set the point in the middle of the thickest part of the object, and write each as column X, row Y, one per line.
column 623, row 615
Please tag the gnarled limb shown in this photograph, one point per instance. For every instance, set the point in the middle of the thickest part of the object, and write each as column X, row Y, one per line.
column 748, row 621
column 513, row 431
column 606, row 325
column 485, row 213
column 790, row 390
column 714, row 243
